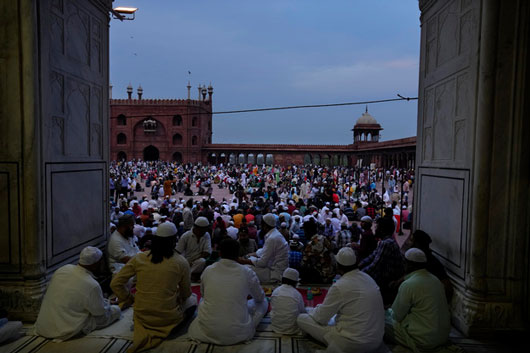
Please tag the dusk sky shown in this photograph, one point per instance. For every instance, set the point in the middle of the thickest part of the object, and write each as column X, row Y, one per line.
column 273, row 53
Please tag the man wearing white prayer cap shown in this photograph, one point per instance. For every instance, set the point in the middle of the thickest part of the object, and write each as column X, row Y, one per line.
column 196, row 246
column 419, row 318
column 286, row 304
column 74, row 302
column 272, row 259
column 351, row 318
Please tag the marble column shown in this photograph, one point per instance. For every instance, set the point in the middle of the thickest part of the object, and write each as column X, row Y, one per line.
column 473, row 148
column 53, row 141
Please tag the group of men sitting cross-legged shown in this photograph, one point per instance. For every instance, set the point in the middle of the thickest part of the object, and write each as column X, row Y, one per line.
column 350, row 319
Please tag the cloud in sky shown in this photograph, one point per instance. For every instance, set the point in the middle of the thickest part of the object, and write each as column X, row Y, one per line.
column 275, row 53
column 363, row 76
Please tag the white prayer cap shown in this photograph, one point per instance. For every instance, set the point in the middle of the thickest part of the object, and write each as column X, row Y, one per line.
column 346, row 257
column 138, row 230
column 89, row 256
column 366, row 219
column 181, row 224
column 270, row 219
column 296, row 236
column 202, row 222
column 415, row 255
column 166, row 229
column 283, row 225
column 291, row 273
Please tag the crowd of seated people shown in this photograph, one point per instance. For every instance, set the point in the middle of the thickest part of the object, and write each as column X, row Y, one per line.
column 281, row 227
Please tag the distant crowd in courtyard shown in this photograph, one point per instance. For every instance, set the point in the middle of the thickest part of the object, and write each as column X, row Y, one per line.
column 277, row 226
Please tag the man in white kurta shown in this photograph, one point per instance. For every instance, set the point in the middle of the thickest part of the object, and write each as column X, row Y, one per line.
column 286, row 304
column 351, row 318
column 121, row 246
column 74, row 303
column 419, row 318
column 225, row 316
column 273, row 258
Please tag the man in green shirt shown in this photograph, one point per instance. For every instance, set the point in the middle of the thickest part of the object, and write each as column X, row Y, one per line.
column 419, row 317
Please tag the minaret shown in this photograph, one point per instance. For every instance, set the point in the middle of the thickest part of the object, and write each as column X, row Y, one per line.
column 110, row 91
column 189, row 88
column 210, row 92
column 140, row 91
column 203, row 91
column 129, row 91
column 199, row 88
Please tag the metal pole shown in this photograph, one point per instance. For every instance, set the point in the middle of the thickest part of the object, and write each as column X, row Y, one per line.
column 401, row 208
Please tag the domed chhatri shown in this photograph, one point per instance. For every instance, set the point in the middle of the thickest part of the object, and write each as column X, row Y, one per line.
column 366, row 129
column 366, row 119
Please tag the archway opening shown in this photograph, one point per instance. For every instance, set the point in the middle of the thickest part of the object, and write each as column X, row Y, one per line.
column 122, row 156
column 122, row 139
column 269, row 159
column 177, row 157
column 177, row 139
column 151, row 153
column 122, row 120
column 177, row 120
column 212, row 158
column 251, row 159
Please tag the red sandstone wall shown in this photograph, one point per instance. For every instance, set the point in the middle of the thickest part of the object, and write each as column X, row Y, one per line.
column 386, row 153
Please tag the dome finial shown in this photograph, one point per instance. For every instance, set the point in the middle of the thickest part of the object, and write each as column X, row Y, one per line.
column 366, row 109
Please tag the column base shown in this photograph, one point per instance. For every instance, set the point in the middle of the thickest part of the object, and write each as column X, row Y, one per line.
column 22, row 299
column 476, row 316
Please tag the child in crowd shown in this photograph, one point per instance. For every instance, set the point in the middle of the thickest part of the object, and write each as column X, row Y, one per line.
column 286, row 304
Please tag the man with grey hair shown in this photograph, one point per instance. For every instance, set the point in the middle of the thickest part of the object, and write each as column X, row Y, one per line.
column 74, row 301
column 121, row 246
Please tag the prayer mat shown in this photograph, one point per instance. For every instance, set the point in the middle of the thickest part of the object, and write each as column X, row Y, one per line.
column 317, row 299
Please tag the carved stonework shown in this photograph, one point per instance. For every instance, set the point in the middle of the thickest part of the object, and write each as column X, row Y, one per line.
column 447, row 34
column 474, row 315
column 78, row 34
column 95, row 140
column 23, row 299
column 57, row 136
column 57, row 33
column 57, row 89
column 77, row 122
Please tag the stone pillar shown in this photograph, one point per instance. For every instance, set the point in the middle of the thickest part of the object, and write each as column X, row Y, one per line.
column 472, row 155
column 53, row 141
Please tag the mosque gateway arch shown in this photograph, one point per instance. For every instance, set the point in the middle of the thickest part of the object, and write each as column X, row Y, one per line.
column 471, row 161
